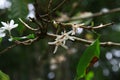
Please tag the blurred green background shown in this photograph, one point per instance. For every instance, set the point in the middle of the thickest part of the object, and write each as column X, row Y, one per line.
column 37, row 62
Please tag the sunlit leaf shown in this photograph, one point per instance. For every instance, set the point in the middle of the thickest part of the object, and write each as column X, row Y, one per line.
column 4, row 76
column 91, row 52
column 89, row 76
column 31, row 36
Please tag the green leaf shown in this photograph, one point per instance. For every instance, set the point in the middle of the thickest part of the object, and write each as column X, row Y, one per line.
column 16, row 38
column 92, row 51
column 89, row 76
column 31, row 36
column 4, row 76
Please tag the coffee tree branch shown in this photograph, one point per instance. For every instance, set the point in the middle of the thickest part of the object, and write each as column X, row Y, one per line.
column 93, row 15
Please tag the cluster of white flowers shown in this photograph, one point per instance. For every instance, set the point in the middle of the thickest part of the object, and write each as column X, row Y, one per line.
column 7, row 26
column 61, row 39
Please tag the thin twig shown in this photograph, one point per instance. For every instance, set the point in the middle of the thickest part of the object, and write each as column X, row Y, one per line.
column 83, row 26
column 26, row 42
column 49, row 4
column 27, row 25
column 40, row 26
column 53, row 9
column 96, row 27
column 51, row 35
column 108, row 44
column 49, row 7
column 8, row 48
column 93, row 15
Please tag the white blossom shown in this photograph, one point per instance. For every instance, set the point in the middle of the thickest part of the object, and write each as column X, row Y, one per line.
column 5, row 4
column 31, row 7
column 9, row 26
column 31, row 10
column 31, row 15
column 76, row 29
column 79, row 30
column 2, row 34
column 61, row 40
column 105, row 10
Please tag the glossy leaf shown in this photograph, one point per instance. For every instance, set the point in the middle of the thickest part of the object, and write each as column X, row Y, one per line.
column 4, row 76
column 91, row 52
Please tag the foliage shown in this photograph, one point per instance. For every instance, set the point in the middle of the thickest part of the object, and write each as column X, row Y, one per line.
column 36, row 61
column 93, row 51
column 3, row 76
column 89, row 76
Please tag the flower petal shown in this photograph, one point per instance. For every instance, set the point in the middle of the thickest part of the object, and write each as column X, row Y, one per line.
column 71, row 38
column 9, row 26
column 4, row 28
column 52, row 43
column 4, row 24
column 64, row 46
column 2, row 34
column 55, row 50
column 15, row 25
column 1, row 30
column 79, row 30
column 11, row 22
column 10, row 39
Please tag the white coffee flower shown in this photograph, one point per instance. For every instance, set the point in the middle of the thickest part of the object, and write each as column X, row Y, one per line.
column 105, row 10
column 5, row 4
column 9, row 26
column 76, row 29
column 79, row 30
column 31, row 14
column 61, row 40
column 31, row 10
column 2, row 34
